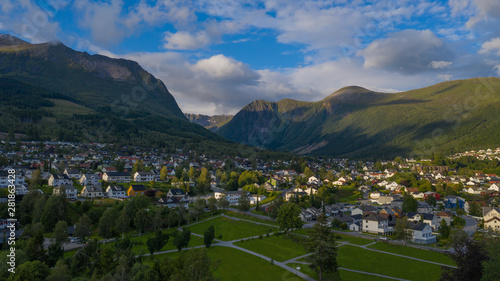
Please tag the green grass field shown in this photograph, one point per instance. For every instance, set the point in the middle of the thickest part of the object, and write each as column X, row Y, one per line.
column 231, row 229
column 413, row 252
column 353, row 239
column 279, row 248
column 237, row 265
column 344, row 274
column 250, row 218
column 353, row 257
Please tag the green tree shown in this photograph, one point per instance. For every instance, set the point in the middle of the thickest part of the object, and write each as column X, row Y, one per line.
column 36, row 179
column 475, row 210
column 32, row 271
column 107, row 222
column 321, row 244
column 212, row 204
column 204, row 181
column 34, row 248
column 61, row 232
column 199, row 207
column 181, row 268
column 244, row 202
column 410, row 204
column 223, row 203
column 308, row 173
column 192, row 173
column 54, row 211
column 403, row 230
column 153, row 244
column 138, row 167
column 247, row 177
column 123, row 223
column 491, row 268
column 444, row 229
column 431, row 200
column 158, row 219
column 288, row 217
column 82, row 227
column 181, row 239
column 60, row 272
column 164, row 173
column 54, row 252
column 209, row 235
column 141, row 220
column 142, row 272
column 468, row 255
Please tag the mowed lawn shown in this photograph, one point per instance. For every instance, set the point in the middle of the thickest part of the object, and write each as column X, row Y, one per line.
column 353, row 257
column 237, row 265
column 413, row 252
column 344, row 237
column 277, row 247
column 344, row 274
column 231, row 229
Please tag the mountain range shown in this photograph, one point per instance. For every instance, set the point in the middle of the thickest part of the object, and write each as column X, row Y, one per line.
column 355, row 122
column 50, row 91
column 213, row 123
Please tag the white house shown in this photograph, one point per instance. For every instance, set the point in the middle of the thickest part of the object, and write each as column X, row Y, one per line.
column 231, row 196
column 89, row 179
column 422, row 234
column 376, row 224
column 314, row 180
column 72, row 173
column 494, row 187
column 68, row 189
column 431, row 220
column 116, row 191
column 256, row 197
column 492, row 220
column 6, row 179
column 144, row 176
column 173, row 202
column 59, row 179
column 92, row 191
column 392, row 186
column 118, row 177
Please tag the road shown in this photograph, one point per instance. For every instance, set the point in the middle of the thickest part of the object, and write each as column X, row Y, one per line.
column 470, row 225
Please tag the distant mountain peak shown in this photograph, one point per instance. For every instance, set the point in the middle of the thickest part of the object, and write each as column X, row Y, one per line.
column 348, row 91
column 9, row 40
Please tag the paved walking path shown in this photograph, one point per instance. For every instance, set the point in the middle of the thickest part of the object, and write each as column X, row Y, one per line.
column 373, row 274
column 284, row 265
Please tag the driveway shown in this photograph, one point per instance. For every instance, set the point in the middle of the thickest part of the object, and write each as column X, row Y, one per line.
column 470, row 225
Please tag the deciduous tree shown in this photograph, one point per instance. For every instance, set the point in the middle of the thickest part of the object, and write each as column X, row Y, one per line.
column 288, row 217
column 321, row 244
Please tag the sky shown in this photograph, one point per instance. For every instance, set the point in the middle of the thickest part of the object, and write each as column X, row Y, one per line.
column 216, row 56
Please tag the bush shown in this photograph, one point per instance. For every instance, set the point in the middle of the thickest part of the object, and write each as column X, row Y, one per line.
column 260, row 236
column 267, row 235
column 220, row 236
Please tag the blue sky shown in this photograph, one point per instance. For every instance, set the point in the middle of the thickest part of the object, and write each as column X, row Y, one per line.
column 216, row 56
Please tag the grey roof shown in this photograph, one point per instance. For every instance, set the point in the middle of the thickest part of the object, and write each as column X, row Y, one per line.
column 65, row 186
column 118, row 174
column 116, row 188
column 177, row 191
column 428, row 216
column 60, row 176
column 418, row 226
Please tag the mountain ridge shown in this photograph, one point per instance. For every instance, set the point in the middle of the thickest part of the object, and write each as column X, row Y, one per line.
column 357, row 122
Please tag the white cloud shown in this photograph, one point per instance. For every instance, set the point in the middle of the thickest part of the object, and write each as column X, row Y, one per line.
column 497, row 68
column 226, row 69
column 440, row 64
column 407, row 51
column 102, row 19
column 492, row 45
column 183, row 40
column 445, row 77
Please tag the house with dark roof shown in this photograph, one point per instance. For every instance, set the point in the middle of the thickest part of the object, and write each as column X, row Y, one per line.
column 176, row 192
column 89, row 179
column 68, row 189
column 373, row 223
column 59, row 179
column 422, row 233
column 116, row 191
column 118, row 177
column 144, row 176
column 431, row 220
column 135, row 190
column 92, row 191
column 173, row 202
column 72, row 173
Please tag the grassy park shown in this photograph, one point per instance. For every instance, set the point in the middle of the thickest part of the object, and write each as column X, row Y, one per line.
column 353, row 257
column 413, row 252
column 231, row 229
column 277, row 247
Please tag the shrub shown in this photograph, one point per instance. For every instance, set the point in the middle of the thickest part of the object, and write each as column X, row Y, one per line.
column 260, row 236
